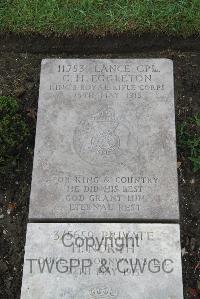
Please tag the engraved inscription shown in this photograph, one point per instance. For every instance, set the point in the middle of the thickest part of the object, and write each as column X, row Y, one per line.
column 99, row 291
column 103, row 292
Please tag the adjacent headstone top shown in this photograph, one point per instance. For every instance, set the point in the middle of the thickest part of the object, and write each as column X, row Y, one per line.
column 105, row 141
column 102, row 261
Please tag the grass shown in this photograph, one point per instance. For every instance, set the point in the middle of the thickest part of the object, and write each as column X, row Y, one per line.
column 189, row 140
column 13, row 132
column 98, row 17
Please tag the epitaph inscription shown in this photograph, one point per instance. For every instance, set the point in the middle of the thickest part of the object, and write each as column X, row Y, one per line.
column 102, row 261
column 105, row 142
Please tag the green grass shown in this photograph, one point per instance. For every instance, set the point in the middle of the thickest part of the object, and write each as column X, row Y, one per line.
column 98, row 17
column 189, row 140
column 13, row 132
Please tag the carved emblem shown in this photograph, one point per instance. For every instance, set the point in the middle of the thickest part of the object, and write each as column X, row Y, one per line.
column 97, row 138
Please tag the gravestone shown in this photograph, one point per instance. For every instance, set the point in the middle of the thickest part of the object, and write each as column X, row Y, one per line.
column 105, row 149
column 102, row 261
column 105, row 141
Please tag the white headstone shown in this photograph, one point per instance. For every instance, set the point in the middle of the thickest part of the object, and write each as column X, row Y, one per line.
column 105, row 142
column 102, row 261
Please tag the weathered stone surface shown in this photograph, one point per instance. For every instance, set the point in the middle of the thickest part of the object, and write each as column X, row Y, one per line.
column 102, row 261
column 105, row 142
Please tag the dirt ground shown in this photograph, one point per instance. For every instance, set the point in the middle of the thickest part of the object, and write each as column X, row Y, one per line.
column 19, row 76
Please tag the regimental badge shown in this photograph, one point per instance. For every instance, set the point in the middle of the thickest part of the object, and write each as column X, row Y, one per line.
column 97, row 138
